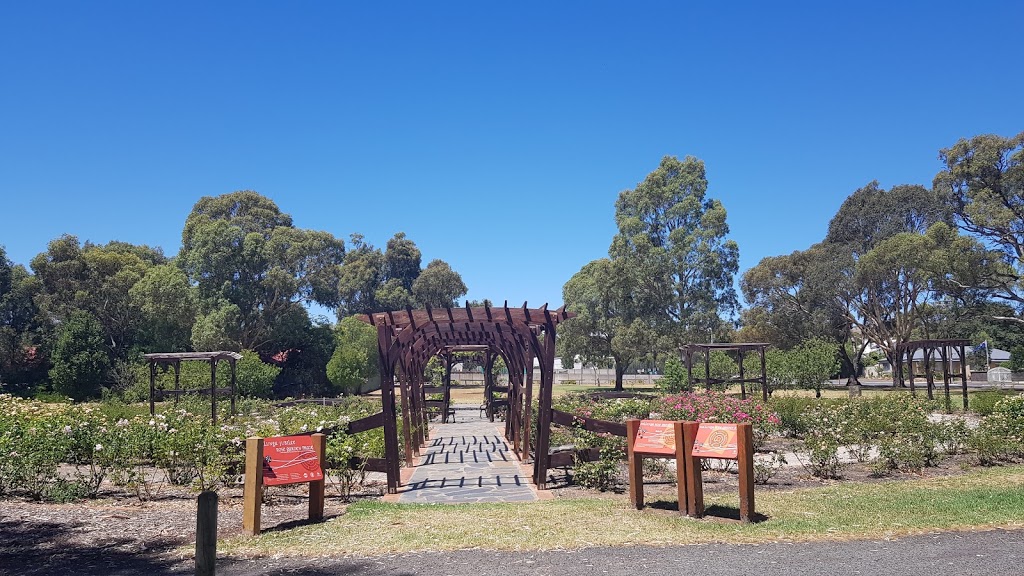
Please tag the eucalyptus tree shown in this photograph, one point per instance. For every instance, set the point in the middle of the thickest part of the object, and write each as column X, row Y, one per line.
column 253, row 267
column 675, row 238
column 372, row 280
column 167, row 306
column 984, row 180
column 611, row 325
column 438, row 285
column 22, row 334
column 96, row 279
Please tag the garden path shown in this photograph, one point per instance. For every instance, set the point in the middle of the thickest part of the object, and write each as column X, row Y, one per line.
column 468, row 461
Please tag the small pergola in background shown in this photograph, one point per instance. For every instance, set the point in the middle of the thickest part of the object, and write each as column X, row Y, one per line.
column 175, row 359
column 739, row 350
column 945, row 348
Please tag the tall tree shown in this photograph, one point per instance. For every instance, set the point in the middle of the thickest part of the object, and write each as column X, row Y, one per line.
column 166, row 304
column 984, row 180
column 610, row 323
column 355, row 356
column 22, row 334
column 361, row 275
column 672, row 233
column 402, row 261
column 96, row 279
column 248, row 260
column 80, row 365
column 438, row 285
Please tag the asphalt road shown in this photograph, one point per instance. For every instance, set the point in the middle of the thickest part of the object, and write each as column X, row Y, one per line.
column 961, row 554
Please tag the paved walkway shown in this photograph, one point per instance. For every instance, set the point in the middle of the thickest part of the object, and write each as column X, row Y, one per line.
column 468, row 461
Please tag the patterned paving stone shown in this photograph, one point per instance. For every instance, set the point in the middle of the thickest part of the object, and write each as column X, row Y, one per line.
column 467, row 461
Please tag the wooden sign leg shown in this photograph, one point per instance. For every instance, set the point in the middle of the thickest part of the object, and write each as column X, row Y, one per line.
column 316, row 487
column 253, row 491
column 681, row 473
column 694, row 480
column 745, row 454
column 636, row 466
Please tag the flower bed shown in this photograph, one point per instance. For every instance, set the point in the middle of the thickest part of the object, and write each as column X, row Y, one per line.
column 134, row 452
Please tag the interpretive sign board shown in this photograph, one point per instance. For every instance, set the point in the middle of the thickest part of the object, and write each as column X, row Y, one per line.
column 656, row 437
column 725, row 441
column 716, row 441
column 282, row 460
column 290, row 460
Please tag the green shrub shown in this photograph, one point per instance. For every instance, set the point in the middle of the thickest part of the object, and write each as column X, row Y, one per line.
column 1000, row 435
column 675, row 378
column 827, row 429
column 80, row 361
column 984, row 402
column 792, row 412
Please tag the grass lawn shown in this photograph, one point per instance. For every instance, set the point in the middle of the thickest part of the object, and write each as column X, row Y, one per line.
column 982, row 499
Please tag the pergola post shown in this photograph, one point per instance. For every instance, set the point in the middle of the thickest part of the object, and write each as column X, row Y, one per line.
column 544, row 418
column 928, row 376
column 489, row 385
column 764, row 376
column 743, row 383
column 909, row 350
column 403, row 386
column 387, row 393
column 963, row 371
column 213, row 390
column 707, row 369
column 944, row 355
column 447, row 398
column 528, row 412
column 234, row 373
column 152, row 387
column 177, row 381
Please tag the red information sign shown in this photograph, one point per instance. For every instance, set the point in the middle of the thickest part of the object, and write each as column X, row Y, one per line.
column 716, row 441
column 656, row 437
column 289, row 460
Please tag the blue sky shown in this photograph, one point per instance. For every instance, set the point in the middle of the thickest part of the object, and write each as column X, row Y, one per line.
column 496, row 135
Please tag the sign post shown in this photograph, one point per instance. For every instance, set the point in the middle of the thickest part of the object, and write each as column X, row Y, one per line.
column 654, row 439
column 726, row 442
column 282, row 460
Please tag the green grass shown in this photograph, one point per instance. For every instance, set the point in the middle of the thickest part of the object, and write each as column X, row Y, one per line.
column 983, row 499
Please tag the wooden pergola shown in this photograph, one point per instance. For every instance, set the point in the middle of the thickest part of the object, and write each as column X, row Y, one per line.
column 740, row 350
column 945, row 348
column 408, row 339
column 175, row 359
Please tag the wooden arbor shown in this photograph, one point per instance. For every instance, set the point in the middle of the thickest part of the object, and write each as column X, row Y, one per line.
column 175, row 359
column 740, row 350
column 946, row 348
column 407, row 339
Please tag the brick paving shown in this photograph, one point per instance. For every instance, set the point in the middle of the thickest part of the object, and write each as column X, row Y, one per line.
column 467, row 461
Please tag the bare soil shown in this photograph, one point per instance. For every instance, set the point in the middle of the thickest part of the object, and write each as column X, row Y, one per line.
column 116, row 533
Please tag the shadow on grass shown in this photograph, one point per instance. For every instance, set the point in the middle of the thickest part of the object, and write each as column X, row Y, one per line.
column 730, row 513
column 295, row 524
column 713, row 512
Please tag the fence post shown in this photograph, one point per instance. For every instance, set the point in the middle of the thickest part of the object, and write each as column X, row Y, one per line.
column 316, row 487
column 253, row 491
column 206, row 535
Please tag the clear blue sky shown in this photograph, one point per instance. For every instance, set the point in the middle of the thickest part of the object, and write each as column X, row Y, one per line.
column 497, row 135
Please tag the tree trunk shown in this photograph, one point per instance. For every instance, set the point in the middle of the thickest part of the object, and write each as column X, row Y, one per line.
column 893, row 359
column 619, row 371
column 849, row 364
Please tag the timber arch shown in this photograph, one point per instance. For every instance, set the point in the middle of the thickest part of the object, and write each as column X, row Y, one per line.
column 408, row 339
